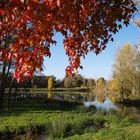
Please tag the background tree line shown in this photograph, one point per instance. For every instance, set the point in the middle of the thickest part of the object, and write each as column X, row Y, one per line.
column 124, row 83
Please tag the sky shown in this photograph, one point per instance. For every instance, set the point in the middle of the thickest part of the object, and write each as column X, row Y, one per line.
column 94, row 66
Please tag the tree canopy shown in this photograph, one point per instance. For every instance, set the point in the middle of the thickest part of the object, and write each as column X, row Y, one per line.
column 126, row 70
column 87, row 25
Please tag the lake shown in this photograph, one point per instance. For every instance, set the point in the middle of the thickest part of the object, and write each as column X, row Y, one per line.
column 86, row 98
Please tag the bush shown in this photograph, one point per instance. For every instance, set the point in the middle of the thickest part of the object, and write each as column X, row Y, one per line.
column 58, row 127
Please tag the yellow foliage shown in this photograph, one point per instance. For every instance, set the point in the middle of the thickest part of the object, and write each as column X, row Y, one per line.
column 113, row 85
column 50, row 83
column 100, row 83
column 100, row 97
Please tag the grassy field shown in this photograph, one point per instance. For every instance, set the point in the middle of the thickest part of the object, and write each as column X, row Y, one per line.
column 130, row 132
column 64, row 120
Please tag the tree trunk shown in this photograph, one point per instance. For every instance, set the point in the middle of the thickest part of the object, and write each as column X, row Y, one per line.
column 3, row 82
column 122, row 93
column 2, row 88
column 16, row 88
column 9, row 94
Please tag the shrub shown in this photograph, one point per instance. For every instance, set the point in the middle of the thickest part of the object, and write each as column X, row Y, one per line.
column 58, row 127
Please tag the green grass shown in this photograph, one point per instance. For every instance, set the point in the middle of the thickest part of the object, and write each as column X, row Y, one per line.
column 22, row 119
column 66, row 121
column 117, row 133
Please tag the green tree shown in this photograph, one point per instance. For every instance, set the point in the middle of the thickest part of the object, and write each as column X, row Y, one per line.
column 76, row 81
column 79, row 80
column 126, row 69
column 70, row 82
column 136, row 73
column 90, row 83
column 67, row 82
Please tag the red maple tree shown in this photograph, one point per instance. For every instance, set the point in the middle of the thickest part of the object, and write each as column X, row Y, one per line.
column 87, row 25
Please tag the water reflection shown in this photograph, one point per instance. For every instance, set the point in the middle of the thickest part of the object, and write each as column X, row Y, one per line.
column 50, row 95
column 71, row 96
column 107, row 104
column 99, row 101
column 131, row 112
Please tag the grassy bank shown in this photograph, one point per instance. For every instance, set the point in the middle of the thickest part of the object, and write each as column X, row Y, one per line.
column 46, row 90
column 63, row 120
column 130, row 132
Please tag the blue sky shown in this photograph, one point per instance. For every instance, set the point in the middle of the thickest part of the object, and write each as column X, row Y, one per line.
column 93, row 66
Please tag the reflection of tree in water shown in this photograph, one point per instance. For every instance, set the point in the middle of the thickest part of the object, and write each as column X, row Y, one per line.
column 58, row 96
column 73, row 97
column 50, row 95
column 131, row 112
column 90, row 97
column 78, row 97
column 67, row 97
column 100, row 97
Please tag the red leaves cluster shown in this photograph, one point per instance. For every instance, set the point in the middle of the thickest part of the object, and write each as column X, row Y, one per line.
column 87, row 25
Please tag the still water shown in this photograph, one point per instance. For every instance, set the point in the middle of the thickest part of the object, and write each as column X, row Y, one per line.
column 100, row 102
column 88, row 99
column 106, row 105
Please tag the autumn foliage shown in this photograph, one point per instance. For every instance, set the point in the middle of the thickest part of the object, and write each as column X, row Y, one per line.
column 87, row 25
